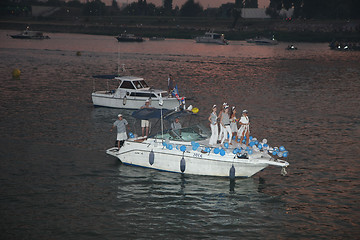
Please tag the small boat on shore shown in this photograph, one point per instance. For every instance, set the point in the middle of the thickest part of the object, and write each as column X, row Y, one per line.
column 211, row 37
column 127, row 37
column 29, row 34
column 186, row 150
column 132, row 93
column 291, row 47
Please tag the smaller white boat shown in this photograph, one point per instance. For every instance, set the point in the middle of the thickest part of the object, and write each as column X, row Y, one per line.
column 132, row 93
column 262, row 41
column 128, row 37
column 28, row 34
column 211, row 37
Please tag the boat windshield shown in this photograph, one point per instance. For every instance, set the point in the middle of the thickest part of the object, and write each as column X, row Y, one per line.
column 144, row 84
column 193, row 133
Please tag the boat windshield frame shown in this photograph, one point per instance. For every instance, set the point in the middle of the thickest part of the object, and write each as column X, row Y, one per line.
column 187, row 134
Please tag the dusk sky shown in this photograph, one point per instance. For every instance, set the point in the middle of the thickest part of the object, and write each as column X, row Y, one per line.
column 204, row 3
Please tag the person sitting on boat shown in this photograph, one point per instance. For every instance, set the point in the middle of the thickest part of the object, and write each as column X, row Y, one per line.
column 176, row 125
column 121, row 125
column 244, row 129
column 233, row 124
column 145, row 123
column 214, row 126
column 225, row 122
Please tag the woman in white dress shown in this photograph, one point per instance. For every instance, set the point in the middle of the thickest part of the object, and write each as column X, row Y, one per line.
column 214, row 126
column 244, row 129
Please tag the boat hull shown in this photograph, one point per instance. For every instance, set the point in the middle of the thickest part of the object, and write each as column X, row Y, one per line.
column 109, row 100
column 155, row 156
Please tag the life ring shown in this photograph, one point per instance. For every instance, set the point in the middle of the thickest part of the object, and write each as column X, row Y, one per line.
column 124, row 100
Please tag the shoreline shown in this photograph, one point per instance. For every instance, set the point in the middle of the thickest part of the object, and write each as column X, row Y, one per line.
column 188, row 28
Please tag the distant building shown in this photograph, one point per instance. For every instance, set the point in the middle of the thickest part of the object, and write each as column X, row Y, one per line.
column 260, row 13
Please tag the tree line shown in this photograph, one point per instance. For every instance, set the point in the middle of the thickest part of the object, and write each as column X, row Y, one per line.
column 308, row 9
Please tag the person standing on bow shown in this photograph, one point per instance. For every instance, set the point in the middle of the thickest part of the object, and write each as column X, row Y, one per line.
column 244, row 129
column 121, row 125
column 145, row 123
column 214, row 126
column 225, row 122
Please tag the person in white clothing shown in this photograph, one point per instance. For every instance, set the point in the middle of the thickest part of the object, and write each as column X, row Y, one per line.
column 225, row 122
column 222, row 130
column 214, row 126
column 244, row 129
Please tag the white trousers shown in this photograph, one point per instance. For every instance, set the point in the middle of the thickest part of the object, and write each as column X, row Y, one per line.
column 214, row 134
column 222, row 131
column 227, row 130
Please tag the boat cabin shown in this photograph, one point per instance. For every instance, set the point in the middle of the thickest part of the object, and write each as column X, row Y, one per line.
column 137, row 87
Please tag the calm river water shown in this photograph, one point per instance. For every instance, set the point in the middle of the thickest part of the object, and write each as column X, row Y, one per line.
column 56, row 181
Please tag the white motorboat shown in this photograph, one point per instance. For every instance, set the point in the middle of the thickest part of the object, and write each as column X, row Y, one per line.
column 186, row 150
column 211, row 37
column 263, row 41
column 132, row 93
column 28, row 34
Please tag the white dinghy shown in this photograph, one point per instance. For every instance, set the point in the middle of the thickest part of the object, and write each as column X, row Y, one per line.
column 186, row 150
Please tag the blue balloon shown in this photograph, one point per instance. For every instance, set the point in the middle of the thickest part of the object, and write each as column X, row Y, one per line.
column 192, row 143
column 256, row 142
column 194, row 147
column 282, row 148
column 235, row 151
column 251, row 137
column 247, row 148
column 207, row 149
column 183, row 148
column 244, row 141
column 244, row 136
column 164, row 144
column 285, row 154
column 197, row 144
column 259, row 146
column 233, row 137
column 222, row 152
column 265, row 145
column 251, row 144
column 169, row 146
column 226, row 145
column 216, row 150
column 274, row 153
column 250, row 152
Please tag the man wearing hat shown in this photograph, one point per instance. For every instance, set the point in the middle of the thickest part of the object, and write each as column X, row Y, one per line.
column 121, row 125
column 244, row 127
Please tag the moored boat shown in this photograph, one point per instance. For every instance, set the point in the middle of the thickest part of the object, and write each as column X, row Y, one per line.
column 132, row 93
column 186, row 150
column 29, row 34
column 262, row 41
column 211, row 37
column 127, row 37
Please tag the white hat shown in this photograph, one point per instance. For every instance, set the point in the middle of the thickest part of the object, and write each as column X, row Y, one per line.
column 147, row 100
column 214, row 106
column 245, row 111
column 120, row 115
